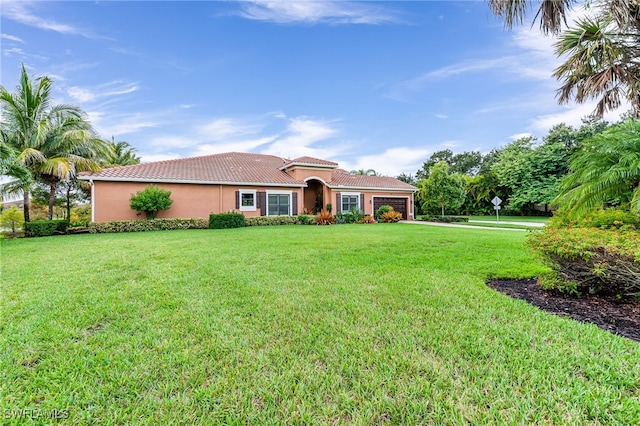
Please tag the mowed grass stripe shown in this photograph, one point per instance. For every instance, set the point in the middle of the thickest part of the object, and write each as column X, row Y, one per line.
column 298, row 324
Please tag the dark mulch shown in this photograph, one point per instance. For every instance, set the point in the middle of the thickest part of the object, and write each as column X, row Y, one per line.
column 607, row 312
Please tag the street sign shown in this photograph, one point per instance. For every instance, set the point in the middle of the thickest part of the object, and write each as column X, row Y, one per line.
column 497, row 207
column 496, row 201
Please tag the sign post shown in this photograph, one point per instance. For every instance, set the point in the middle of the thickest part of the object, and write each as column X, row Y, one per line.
column 496, row 206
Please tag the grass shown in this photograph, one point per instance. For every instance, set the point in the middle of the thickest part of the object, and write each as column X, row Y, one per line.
column 358, row 324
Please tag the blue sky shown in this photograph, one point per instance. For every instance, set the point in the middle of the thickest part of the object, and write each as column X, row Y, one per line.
column 377, row 85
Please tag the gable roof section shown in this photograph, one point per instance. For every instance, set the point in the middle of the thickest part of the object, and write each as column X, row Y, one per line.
column 309, row 162
column 227, row 168
column 340, row 179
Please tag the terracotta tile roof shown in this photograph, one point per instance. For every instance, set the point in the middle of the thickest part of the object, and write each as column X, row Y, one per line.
column 340, row 178
column 310, row 161
column 239, row 168
column 231, row 167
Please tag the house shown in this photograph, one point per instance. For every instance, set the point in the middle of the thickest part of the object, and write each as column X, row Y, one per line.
column 253, row 184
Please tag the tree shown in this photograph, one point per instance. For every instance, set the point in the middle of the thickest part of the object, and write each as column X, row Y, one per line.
column 363, row 172
column 51, row 142
column 11, row 218
column 465, row 163
column 607, row 168
column 442, row 189
column 406, row 178
column 151, row 200
column 122, row 154
column 600, row 51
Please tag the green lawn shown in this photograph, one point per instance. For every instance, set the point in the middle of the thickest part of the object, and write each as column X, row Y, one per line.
column 358, row 324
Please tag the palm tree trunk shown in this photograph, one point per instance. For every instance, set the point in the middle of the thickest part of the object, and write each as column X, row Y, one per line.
column 52, row 198
column 26, row 205
column 442, row 205
column 68, row 202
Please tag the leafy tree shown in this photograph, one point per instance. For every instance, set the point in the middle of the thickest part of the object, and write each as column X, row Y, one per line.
column 442, row 189
column 406, row 178
column 151, row 200
column 600, row 52
column 467, row 163
column 11, row 218
column 52, row 142
column 605, row 169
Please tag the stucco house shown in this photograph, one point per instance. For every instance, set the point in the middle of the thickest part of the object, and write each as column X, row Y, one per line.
column 253, row 184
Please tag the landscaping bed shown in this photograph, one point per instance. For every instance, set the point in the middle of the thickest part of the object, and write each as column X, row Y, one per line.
column 621, row 317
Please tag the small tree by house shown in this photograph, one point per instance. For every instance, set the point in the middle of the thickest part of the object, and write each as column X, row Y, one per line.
column 442, row 189
column 151, row 200
column 12, row 218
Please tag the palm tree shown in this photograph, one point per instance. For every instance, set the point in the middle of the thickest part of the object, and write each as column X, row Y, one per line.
column 606, row 168
column 601, row 51
column 123, row 154
column 52, row 142
column 363, row 172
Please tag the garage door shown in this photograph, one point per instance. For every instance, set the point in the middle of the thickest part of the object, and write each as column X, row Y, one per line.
column 398, row 204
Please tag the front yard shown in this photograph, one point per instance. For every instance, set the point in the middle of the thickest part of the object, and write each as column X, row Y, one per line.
column 363, row 324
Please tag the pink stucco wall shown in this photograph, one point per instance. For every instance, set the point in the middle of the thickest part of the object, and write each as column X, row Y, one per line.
column 111, row 200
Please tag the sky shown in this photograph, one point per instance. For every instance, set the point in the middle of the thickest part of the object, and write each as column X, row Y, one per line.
column 369, row 85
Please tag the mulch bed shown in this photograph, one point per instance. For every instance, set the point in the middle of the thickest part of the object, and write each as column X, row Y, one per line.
column 607, row 312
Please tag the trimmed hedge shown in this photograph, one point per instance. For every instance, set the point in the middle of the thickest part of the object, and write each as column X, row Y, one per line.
column 445, row 219
column 45, row 228
column 147, row 225
column 226, row 221
column 272, row 220
column 589, row 259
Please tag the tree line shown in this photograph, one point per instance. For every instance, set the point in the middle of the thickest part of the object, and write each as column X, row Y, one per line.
column 595, row 165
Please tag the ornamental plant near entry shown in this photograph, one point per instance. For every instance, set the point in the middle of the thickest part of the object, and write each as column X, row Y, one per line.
column 151, row 200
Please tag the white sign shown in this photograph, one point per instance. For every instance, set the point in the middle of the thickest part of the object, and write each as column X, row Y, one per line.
column 496, row 201
column 497, row 207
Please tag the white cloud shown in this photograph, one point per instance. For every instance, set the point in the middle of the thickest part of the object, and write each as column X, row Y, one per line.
column 520, row 135
column 572, row 116
column 12, row 38
column 391, row 162
column 21, row 11
column 13, row 51
column 300, row 139
column 107, row 123
column 114, row 88
column 150, row 158
column 441, row 116
column 314, row 12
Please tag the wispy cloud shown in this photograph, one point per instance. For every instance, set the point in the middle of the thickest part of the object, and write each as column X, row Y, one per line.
column 23, row 13
column 12, row 38
column 107, row 90
column 390, row 162
column 316, row 12
column 301, row 138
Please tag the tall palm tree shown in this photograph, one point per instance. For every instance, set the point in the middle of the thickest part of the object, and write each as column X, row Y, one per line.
column 605, row 169
column 368, row 172
column 52, row 142
column 601, row 52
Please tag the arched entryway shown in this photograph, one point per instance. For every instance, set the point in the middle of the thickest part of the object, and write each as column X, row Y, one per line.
column 314, row 196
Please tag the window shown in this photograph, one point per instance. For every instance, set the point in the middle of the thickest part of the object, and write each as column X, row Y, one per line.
column 247, row 200
column 279, row 204
column 350, row 201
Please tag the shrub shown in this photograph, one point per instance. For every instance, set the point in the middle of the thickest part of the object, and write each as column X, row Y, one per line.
column 45, row 228
column 610, row 218
column 589, row 259
column 368, row 219
column 272, row 220
column 325, row 218
column 226, row 221
column 382, row 210
column 147, row 225
column 445, row 219
column 307, row 219
column 12, row 218
column 151, row 200
column 392, row 216
column 80, row 216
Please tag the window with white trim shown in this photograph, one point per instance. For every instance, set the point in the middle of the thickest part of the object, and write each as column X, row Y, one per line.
column 247, row 200
column 278, row 203
column 349, row 201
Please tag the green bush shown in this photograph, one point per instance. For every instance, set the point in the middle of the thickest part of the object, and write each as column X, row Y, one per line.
column 226, row 221
column 352, row 216
column 272, row 220
column 610, row 218
column 12, row 218
column 151, row 200
column 589, row 259
column 307, row 219
column 147, row 225
column 445, row 219
column 382, row 210
column 45, row 228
